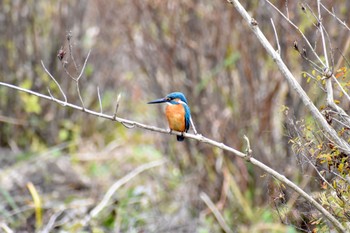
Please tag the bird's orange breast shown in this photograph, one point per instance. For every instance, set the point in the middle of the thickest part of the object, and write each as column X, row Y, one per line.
column 176, row 117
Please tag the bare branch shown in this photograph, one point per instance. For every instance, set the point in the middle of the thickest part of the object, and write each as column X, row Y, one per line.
column 322, row 33
column 340, row 122
column 193, row 127
column 64, row 65
column 335, row 16
column 104, row 202
column 248, row 149
column 287, row 9
column 99, row 99
column 315, row 79
column 297, row 28
column 308, row 103
column 276, row 36
column 58, row 85
column 342, row 55
column 69, row 36
column 5, row 228
column 290, row 78
column 51, row 224
column 82, row 69
column 127, row 125
column 329, row 86
column 79, row 95
column 117, row 106
column 216, row 212
column 78, row 78
column 341, row 88
column 322, row 30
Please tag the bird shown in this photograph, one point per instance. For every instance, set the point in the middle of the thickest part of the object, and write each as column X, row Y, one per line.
column 177, row 112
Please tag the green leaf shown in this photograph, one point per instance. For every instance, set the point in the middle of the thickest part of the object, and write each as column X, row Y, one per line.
column 30, row 102
column 63, row 134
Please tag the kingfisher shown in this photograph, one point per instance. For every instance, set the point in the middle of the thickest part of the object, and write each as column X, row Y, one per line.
column 177, row 112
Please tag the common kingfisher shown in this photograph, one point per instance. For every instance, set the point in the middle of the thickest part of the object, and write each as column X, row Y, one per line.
column 177, row 112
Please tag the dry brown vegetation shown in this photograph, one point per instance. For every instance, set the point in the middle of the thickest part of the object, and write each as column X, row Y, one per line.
column 143, row 50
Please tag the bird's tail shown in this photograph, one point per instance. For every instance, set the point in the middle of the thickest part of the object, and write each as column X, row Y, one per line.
column 180, row 138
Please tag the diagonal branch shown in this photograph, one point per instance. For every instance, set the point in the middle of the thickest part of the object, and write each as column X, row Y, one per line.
column 329, row 86
column 290, row 78
column 308, row 103
column 215, row 211
column 296, row 27
column 106, row 199
column 53, row 79
column 335, row 16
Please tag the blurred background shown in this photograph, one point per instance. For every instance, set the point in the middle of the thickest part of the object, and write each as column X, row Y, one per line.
column 144, row 50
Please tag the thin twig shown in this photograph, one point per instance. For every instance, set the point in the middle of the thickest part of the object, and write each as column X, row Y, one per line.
column 78, row 78
column 82, row 69
column 99, row 99
column 66, row 71
column 335, row 16
column 6, row 228
column 298, row 29
column 51, row 224
column 69, row 36
column 287, row 10
column 315, row 79
column 53, row 79
column 313, row 64
column 320, row 27
column 341, row 88
column 108, row 195
column 276, row 36
column 322, row 34
column 317, row 171
column 128, row 125
column 342, row 55
column 216, row 212
column 117, row 105
column 248, row 149
column 345, row 125
column 79, row 95
column 329, row 85
column 193, row 127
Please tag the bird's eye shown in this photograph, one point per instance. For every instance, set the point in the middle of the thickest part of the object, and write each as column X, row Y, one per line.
column 168, row 98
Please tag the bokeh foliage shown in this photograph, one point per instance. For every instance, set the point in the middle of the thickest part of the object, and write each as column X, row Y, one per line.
column 144, row 50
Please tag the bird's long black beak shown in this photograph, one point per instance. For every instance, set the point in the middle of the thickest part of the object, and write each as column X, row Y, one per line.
column 158, row 101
